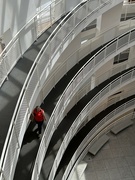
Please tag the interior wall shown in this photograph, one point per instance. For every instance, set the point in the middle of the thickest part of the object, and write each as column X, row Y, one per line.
column 39, row 3
column 70, row 4
column 20, row 12
column 109, row 19
column 14, row 14
column 128, row 8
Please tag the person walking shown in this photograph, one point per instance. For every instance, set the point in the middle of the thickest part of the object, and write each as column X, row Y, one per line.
column 39, row 117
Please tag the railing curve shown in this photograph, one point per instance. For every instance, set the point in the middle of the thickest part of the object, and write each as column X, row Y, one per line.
column 13, row 51
column 49, row 69
column 80, row 77
column 80, row 53
column 34, row 81
column 92, row 136
column 23, row 102
column 98, row 98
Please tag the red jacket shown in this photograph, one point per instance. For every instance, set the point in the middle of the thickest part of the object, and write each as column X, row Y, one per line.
column 38, row 115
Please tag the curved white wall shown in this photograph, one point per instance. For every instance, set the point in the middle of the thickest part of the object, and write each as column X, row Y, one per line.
column 14, row 14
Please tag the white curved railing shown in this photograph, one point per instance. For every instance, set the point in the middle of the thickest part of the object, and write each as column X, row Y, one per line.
column 89, row 108
column 101, row 78
column 101, row 107
column 14, row 50
column 100, row 129
column 40, row 22
column 83, row 51
column 69, row 27
column 101, row 57
column 85, row 89
column 13, row 133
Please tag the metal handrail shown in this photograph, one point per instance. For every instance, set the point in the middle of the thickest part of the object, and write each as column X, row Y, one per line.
column 77, row 74
column 21, row 93
column 55, row 110
column 15, row 37
column 92, row 136
column 10, row 47
column 48, row 140
column 25, row 85
column 75, row 124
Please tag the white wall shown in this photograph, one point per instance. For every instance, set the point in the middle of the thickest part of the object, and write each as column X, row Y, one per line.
column 39, row 3
column 109, row 19
column 14, row 14
column 70, row 4
column 130, row 8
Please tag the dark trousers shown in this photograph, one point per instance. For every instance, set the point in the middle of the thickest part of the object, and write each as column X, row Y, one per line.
column 39, row 126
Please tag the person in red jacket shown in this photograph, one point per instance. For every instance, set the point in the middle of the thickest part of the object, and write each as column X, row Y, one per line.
column 39, row 117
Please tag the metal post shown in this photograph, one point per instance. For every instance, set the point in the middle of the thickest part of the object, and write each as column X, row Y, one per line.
column 19, row 146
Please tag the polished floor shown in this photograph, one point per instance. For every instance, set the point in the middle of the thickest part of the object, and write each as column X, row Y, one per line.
column 116, row 160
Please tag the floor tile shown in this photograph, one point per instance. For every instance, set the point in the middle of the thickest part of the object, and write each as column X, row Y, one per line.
column 102, row 175
column 125, row 172
column 114, row 174
column 116, row 160
column 133, row 170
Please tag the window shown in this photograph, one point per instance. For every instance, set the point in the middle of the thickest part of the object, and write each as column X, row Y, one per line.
column 121, row 57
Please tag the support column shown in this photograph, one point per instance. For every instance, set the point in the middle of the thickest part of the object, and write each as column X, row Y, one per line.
column 131, row 57
column 109, row 21
column 93, row 82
